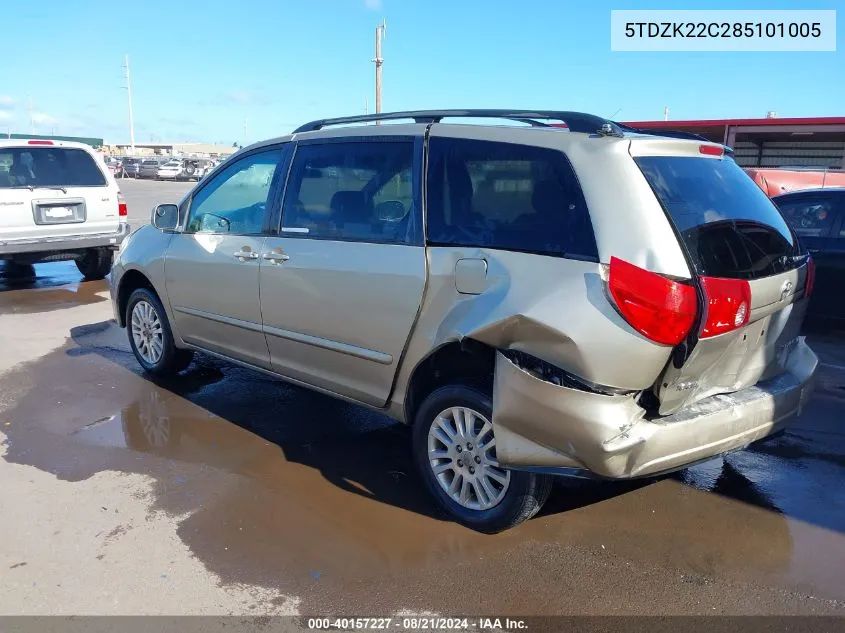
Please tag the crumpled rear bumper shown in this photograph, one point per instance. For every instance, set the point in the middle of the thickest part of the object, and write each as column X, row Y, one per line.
column 541, row 425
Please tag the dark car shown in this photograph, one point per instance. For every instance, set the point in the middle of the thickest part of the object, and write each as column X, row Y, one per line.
column 818, row 217
column 131, row 167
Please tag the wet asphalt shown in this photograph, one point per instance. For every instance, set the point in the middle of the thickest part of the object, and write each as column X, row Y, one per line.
column 285, row 492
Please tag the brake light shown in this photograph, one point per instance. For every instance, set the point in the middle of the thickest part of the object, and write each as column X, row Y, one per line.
column 711, row 150
column 810, row 279
column 728, row 305
column 122, row 210
column 39, row 142
column 661, row 309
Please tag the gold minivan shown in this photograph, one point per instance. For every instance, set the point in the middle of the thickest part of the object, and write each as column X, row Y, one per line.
column 534, row 300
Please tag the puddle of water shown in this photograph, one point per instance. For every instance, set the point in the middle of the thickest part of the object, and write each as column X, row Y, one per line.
column 279, row 483
column 56, row 285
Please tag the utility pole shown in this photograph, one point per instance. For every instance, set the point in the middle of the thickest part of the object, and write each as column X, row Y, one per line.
column 366, row 105
column 381, row 30
column 246, row 129
column 129, row 94
column 666, row 113
column 31, row 116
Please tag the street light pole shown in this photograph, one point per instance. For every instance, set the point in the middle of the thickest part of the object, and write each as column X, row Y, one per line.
column 381, row 30
column 131, row 121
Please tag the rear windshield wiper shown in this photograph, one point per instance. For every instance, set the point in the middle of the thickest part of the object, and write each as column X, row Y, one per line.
column 34, row 187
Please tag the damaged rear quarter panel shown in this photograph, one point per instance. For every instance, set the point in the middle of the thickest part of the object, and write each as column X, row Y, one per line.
column 552, row 308
column 539, row 424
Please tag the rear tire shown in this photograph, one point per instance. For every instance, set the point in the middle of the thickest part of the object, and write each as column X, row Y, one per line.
column 17, row 272
column 496, row 499
column 95, row 263
column 151, row 338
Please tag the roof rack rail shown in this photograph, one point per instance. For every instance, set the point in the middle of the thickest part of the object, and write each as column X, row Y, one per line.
column 575, row 121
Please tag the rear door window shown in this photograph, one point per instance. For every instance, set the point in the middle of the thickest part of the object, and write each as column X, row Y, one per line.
column 506, row 196
column 729, row 227
column 49, row 167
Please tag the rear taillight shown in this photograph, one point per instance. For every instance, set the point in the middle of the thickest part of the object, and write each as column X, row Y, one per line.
column 122, row 210
column 810, row 278
column 728, row 305
column 661, row 309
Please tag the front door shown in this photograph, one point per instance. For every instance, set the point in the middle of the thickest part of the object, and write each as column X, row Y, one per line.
column 212, row 266
column 343, row 281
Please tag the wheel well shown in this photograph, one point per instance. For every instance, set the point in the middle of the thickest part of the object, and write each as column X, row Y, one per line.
column 467, row 362
column 129, row 283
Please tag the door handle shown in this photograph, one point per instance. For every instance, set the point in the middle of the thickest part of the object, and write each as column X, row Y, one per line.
column 275, row 257
column 244, row 255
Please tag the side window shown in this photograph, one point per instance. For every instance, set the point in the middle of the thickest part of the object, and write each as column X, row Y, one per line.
column 506, row 196
column 359, row 191
column 236, row 199
column 809, row 217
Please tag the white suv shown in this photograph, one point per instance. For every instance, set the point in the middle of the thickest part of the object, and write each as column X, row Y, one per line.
column 59, row 201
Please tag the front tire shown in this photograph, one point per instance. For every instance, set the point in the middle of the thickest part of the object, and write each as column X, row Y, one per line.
column 95, row 263
column 150, row 336
column 455, row 451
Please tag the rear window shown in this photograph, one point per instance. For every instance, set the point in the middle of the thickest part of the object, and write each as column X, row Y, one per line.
column 48, row 167
column 506, row 196
column 728, row 225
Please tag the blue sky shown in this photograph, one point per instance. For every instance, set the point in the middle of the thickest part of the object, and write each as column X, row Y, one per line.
column 201, row 68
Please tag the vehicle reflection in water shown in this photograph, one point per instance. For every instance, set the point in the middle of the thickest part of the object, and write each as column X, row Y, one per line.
column 346, row 500
column 280, row 507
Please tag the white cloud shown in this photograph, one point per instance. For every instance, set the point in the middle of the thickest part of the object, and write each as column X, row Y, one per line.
column 373, row 5
column 40, row 118
column 6, row 102
column 239, row 96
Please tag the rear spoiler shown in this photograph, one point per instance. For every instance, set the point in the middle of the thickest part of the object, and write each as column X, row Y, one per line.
column 671, row 134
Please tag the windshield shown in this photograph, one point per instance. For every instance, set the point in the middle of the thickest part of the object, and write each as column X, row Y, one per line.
column 728, row 225
column 31, row 167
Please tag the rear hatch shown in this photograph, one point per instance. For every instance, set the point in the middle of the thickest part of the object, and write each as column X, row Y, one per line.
column 51, row 191
column 750, row 275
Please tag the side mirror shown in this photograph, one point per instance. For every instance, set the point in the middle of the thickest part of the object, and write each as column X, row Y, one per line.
column 165, row 217
column 391, row 211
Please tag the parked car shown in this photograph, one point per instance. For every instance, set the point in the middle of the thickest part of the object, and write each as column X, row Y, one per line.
column 131, row 167
column 184, row 169
column 114, row 165
column 536, row 302
column 776, row 181
column 58, row 201
column 149, row 167
column 818, row 217
column 171, row 170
